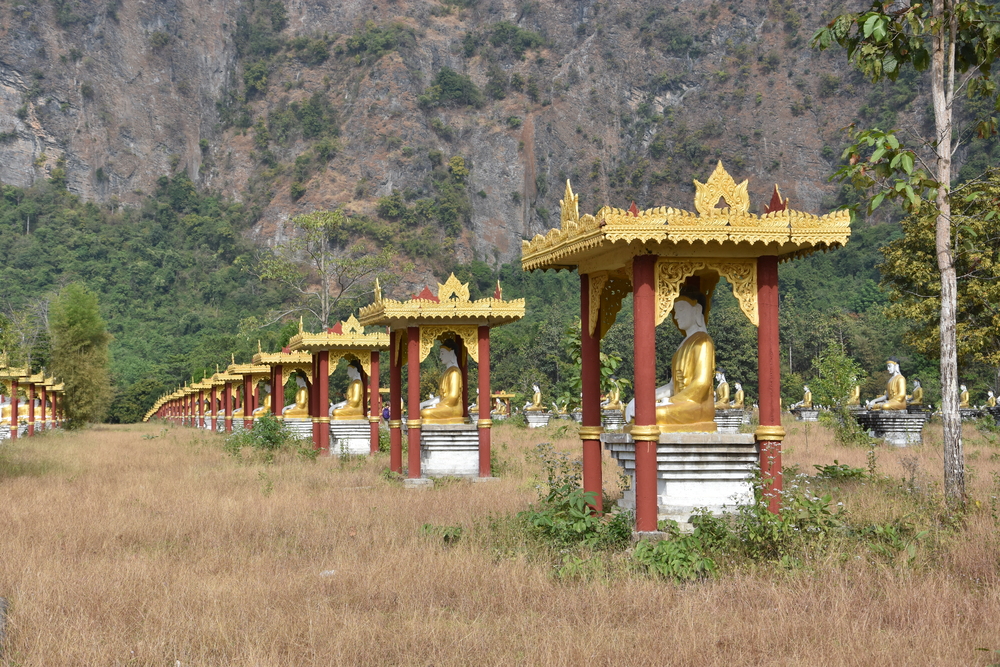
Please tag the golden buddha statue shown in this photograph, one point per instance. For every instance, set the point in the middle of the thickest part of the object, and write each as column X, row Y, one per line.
column 614, row 398
column 991, row 400
column 449, row 408
column 689, row 394
column 475, row 406
column 917, row 398
column 854, row 398
column 963, row 398
column 807, row 400
column 265, row 406
column 536, row 401
column 894, row 397
column 353, row 409
column 738, row 397
column 300, row 408
column 721, row 391
column 500, row 408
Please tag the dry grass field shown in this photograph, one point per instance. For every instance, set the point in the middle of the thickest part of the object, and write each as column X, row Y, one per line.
column 136, row 546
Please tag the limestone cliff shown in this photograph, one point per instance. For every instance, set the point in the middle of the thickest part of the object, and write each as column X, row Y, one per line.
column 629, row 99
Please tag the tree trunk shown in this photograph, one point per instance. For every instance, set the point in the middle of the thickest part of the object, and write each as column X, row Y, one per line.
column 942, row 92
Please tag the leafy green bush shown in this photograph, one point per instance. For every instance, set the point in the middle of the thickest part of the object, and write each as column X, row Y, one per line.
column 267, row 436
column 679, row 558
column 839, row 470
column 376, row 41
column 450, row 88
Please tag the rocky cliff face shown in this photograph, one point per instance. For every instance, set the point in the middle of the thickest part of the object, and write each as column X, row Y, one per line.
column 630, row 100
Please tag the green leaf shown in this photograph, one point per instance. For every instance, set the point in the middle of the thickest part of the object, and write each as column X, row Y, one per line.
column 907, row 162
column 876, row 201
column 870, row 25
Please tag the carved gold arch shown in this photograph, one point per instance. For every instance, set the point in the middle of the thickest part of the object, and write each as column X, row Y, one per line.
column 363, row 356
column 287, row 371
column 607, row 291
column 469, row 333
column 741, row 274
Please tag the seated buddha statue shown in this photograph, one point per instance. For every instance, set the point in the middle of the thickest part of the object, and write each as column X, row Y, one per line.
column 475, row 406
column 963, row 397
column 353, row 408
column 917, row 398
column 690, row 404
column 854, row 398
column 614, row 400
column 738, row 398
column 448, row 409
column 300, row 408
column 807, row 400
column 991, row 400
column 265, row 406
column 237, row 405
column 536, row 404
column 499, row 408
column 894, row 397
column 721, row 391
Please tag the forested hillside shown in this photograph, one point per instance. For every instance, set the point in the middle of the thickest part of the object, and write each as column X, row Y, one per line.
column 146, row 148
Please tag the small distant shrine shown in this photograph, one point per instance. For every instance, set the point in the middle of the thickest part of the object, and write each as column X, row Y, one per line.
column 251, row 375
column 355, row 426
column 660, row 255
column 10, row 379
column 283, row 365
column 448, row 445
column 221, row 400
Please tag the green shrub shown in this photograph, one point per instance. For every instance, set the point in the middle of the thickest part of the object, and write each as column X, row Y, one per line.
column 450, row 88
column 679, row 558
column 267, row 436
column 376, row 41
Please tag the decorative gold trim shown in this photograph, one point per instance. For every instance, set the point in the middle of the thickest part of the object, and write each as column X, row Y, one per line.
column 414, row 423
column 591, row 432
column 395, row 423
column 741, row 274
column 649, row 433
column 374, row 420
column 321, row 420
column 597, row 282
column 484, row 423
column 721, row 185
column 468, row 333
column 769, row 433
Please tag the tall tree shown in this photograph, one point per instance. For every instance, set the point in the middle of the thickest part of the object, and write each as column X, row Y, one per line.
column 80, row 354
column 958, row 41
column 324, row 275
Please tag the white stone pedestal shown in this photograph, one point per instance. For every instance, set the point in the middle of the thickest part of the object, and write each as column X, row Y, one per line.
column 449, row 450
column 612, row 420
column 898, row 428
column 577, row 417
column 806, row 415
column 300, row 427
column 351, row 436
column 970, row 414
column 694, row 470
column 4, row 432
column 729, row 421
column 537, row 419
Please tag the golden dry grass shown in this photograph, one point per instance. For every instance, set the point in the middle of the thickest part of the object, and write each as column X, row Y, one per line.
column 120, row 550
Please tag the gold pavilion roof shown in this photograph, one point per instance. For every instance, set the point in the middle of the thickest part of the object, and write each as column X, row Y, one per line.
column 452, row 305
column 609, row 239
column 346, row 335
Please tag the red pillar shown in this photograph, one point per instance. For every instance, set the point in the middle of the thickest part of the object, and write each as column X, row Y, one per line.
column 463, row 362
column 314, row 401
column 645, row 433
column 395, row 402
column 44, row 397
column 277, row 391
column 590, row 379
column 200, row 412
column 55, row 409
column 227, row 405
column 413, row 394
column 322, row 388
column 213, row 408
column 485, row 423
column 375, row 411
column 31, row 408
column 769, row 433
column 13, row 409
column 247, row 402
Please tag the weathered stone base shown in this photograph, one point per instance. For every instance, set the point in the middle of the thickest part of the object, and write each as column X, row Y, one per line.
column 4, row 432
column 810, row 415
column 613, row 421
column 348, row 436
column 898, row 428
column 449, row 450
column 994, row 412
column 729, row 421
column 538, row 419
column 577, row 417
column 694, row 470
column 970, row 414
column 418, row 483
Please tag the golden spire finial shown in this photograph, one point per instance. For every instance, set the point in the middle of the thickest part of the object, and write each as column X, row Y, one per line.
column 232, row 356
column 300, row 324
column 378, row 290
column 259, row 349
column 569, row 206
column 217, row 368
